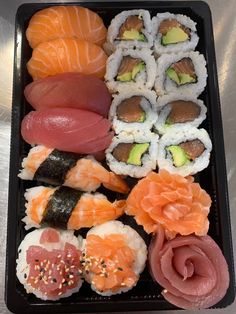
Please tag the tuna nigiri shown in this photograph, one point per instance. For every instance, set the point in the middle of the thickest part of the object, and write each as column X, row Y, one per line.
column 73, row 170
column 65, row 21
column 67, row 129
column 75, row 90
column 67, row 55
column 177, row 203
column 67, row 208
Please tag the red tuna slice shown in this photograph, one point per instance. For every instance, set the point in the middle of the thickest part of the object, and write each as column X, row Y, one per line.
column 192, row 270
column 74, row 90
column 53, row 272
column 67, row 129
column 49, row 235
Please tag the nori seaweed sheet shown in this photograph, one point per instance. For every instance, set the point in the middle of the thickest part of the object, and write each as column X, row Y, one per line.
column 55, row 167
column 60, row 207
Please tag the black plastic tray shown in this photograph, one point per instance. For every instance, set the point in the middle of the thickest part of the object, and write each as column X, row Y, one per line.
column 146, row 295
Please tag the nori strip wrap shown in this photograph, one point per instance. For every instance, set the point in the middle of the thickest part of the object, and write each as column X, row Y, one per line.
column 55, row 167
column 60, row 207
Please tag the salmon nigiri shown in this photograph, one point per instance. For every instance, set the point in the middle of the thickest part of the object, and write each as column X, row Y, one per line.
column 67, row 55
column 65, row 21
column 67, row 208
column 72, row 170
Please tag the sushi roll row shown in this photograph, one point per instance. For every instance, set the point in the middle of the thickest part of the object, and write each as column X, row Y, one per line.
column 165, row 32
column 156, row 88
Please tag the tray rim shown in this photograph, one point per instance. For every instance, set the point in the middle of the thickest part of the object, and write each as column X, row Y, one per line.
column 220, row 166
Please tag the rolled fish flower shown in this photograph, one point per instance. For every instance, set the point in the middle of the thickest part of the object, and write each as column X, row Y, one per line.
column 177, row 203
column 192, row 270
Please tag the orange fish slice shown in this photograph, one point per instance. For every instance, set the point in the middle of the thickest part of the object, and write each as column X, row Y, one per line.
column 65, row 21
column 177, row 203
column 67, row 55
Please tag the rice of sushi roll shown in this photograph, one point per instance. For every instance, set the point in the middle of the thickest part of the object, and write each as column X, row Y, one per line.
column 177, row 110
column 173, row 33
column 182, row 72
column 133, row 111
column 45, row 257
column 128, row 69
column 130, row 29
column 115, row 255
column 66, row 208
column 184, row 151
column 79, row 172
column 133, row 154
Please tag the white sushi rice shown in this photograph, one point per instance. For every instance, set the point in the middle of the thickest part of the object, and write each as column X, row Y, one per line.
column 164, row 108
column 164, row 85
column 113, row 30
column 176, row 137
column 144, row 79
column 33, row 238
column 30, row 195
column 182, row 46
column 148, row 159
column 148, row 104
column 27, row 172
column 132, row 239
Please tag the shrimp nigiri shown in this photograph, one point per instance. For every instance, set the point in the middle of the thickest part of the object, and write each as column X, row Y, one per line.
column 73, row 170
column 67, row 208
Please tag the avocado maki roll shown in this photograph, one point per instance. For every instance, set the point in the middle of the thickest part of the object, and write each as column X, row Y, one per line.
column 185, row 151
column 130, row 68
column 130, row 29
column 181, row 72
column 133, row 111
column 133, row 154
column 177, row 110
column 174, row 33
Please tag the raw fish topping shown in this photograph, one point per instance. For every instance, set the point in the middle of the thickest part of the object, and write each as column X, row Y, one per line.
column 108, row 262
column 192, row 270
column 53, row 272
column 177, row 203
column 65, row 21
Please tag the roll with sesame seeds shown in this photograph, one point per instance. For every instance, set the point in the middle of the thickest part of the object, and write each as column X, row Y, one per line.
column 114, row 257
column 48, row 263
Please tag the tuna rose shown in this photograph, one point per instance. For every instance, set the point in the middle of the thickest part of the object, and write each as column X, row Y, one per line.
column 192, row 270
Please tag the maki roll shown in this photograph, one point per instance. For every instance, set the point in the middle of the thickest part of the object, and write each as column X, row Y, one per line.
column 133, row 154
column 130, row 29
column 133, row 111
column 66, row 208
column 173, row 33
column 130, row 68
column 177, row 110
column 69, row 169
column 184, row 151
column 114, row 257
column 181, row 72
column 48, row 263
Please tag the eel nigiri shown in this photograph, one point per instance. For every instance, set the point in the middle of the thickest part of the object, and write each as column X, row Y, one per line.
column 75, row 56
column 67, row 208
column 114, row 256
column 69, row 169
column 67, row 129
column 65, row 21
column 74, row 90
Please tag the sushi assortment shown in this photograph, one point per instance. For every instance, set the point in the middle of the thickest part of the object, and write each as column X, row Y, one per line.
column 101, row 122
